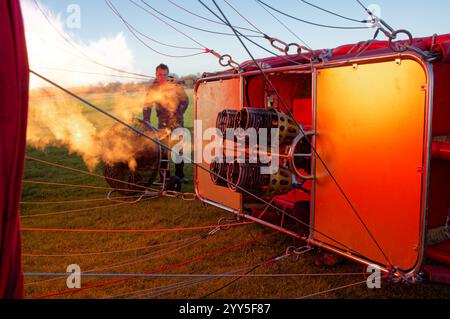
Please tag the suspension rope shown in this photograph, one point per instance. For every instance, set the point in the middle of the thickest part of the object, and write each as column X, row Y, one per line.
column 74, row 201
column 247, row 271
column 334, row 289
column 333, row 13
column 74, row 210
column 131, row 261
column 168, row 24
column 250, row 40
column 251, row 269
column 270, row 39
column 112, row 231
column 204, row 18
column 152, row 255
column 147, row 36
column 172, row 266
column 309, row 142
column 51, row 274
column 188, row 160
column 88, row 58
column 156, row 254
column 166, row 289
column 243, row 17
column 134, row 31
column 365, row 8
column 87, row 173
column 121, row 251
column 284, row 25
column 182, row 23
column 95, row 73
column 287, row 254
column 309, row 22
column 392, row 34
column 79, row 186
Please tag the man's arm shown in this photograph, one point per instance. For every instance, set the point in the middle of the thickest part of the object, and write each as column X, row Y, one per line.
column 181, row 109
column 184, row 103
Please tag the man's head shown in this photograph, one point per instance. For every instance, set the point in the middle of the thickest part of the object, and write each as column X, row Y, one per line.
column 162, row 73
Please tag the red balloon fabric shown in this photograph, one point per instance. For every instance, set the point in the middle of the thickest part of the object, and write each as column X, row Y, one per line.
column 14, row 80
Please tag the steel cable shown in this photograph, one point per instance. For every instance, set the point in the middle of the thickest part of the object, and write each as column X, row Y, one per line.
column 206, row 19
column 133, row 32
column 182, row 23
column 309, row 22
column 333, row 289
column 284, row 25
column 87, row 173
column 333, row 13
column 120, row 251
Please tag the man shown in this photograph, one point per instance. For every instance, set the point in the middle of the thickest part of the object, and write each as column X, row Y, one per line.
column 168, row 117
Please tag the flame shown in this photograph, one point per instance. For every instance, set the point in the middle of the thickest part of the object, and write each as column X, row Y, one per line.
column 57, row 120
column 119, row 144
column 167, row 95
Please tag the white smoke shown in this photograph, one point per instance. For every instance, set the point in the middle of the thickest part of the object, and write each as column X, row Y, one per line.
column 52, row 56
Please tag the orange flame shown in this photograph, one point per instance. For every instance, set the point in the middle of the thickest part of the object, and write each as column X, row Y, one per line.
column 56, row 120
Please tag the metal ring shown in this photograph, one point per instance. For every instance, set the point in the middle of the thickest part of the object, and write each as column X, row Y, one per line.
column 284, row 50
column 222, row 58
column 288, row 47
column 397, row 47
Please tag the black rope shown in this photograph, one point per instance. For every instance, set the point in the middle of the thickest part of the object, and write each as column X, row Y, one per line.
column 250, row 40
column 167, row 23
column 284, row 25
column 95, row 73
column 190, row 26
column 131, row 29
column 230, row 282
column 207, row 19
column 243, row 17
column 240, row 277
column 165, row 44
column 364, row 7
column 301, row 129
column 157, row 41
column 333, row 13
column 309, row 22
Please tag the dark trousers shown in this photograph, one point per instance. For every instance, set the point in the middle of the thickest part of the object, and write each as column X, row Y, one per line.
column 179, row 170
column 147, row 113
column 179, row 167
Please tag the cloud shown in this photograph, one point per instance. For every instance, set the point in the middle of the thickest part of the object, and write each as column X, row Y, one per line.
column 51, row 55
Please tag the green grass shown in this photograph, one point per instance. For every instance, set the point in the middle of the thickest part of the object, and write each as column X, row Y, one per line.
column 164, row 213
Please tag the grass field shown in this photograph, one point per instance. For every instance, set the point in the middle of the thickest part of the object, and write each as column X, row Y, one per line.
column 126, row 252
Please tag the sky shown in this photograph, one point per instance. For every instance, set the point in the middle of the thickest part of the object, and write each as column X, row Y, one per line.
column 96, row 32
